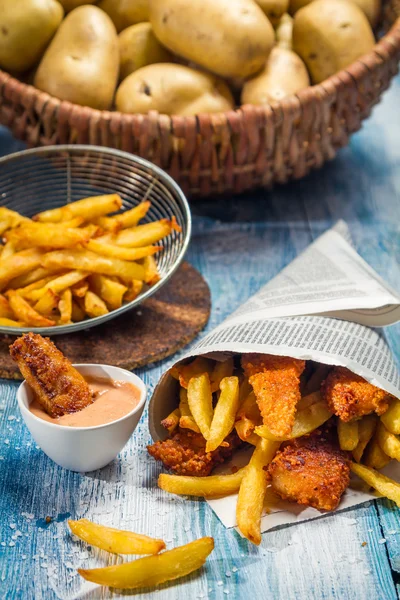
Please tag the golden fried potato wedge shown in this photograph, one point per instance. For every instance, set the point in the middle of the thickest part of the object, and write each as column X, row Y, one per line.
column 186, row 420
column 383, row 485
column 112, row 292
column 172, row 421
column 25, row 313
column 46, row 235
column 366, row 429
column 152, row 276
column 146, row 235
column 48, row 303
column 5, row 309
column 252, row 490
column 134, row 289
column 348, row 434
column 10, row 323
column 389, row 443
column 19, row 264
column 120, row 252
column 206, row 487
column 65, row 307
column 113, row 540
column 198, row 366
column 89, row 261
column 30, row 277
column 391, row 418
column 375, row 456
column 129, row 218
column 78, row 314
column 88, row 208
column 8, row 250
column 93, row 305
column 200, row 402
column 221, row 370
column 79, row 289
column 153, row 570
column 10, row 218
column 58, row 284
column 224, row 413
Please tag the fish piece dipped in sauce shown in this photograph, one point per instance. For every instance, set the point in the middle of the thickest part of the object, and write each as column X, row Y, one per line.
column 59, row 388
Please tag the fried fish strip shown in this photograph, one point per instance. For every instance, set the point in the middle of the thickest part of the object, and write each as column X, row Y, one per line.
column 276, row 384
column 350, row 396
column 58, row 386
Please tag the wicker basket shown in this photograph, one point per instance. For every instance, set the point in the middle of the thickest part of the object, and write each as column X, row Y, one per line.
column 228, row 152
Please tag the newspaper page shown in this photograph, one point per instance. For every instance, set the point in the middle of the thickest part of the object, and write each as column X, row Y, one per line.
column 328, row 306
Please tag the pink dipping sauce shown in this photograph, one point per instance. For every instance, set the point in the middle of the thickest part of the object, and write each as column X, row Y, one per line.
column 112, row 401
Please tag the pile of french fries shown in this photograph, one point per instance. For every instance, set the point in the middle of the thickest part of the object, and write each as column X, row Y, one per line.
column 76, row 262
column 215, row 397
column 144, row 572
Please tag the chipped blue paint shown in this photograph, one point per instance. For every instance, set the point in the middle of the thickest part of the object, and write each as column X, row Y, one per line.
column 238, row 244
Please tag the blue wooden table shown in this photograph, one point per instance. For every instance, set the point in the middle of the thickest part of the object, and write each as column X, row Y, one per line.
column 238, row 244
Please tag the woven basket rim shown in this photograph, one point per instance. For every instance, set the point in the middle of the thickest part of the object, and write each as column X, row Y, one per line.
column 326, row 87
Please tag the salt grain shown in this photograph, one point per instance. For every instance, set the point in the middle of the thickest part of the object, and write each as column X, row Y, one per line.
column 11, row 544
column 234, row 569
column 220, row 582
column 228, row 574
column 382, row 541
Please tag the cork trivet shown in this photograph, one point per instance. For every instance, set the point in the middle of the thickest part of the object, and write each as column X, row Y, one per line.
column 154, row 330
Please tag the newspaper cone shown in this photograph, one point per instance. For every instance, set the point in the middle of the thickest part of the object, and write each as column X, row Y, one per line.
column 324, row 306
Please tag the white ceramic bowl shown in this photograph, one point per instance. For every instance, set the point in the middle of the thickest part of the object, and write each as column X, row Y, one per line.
column 84, row 448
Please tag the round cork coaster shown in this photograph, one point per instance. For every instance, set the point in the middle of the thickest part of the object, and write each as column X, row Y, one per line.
column 163, row 324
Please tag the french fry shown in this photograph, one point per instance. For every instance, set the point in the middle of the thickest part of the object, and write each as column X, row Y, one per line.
column 88, row 208
column 79, row 289
column 65, row 307
column 153, row 570
column 25, row 313
column 78, row 314
column 252, row 490
column 391, row 418
column 248, row 417
column 200, row 402
column 28, row 278
column 47, row 235
column 383, row 485
column 389, row 443
column 221, row 370
column 112, row 292
column 375, row 456
column 10, row 323
column 10, row 218
column 120, row 252
column 151, row 270
column 198, row 366
column 145, row 235
column 244, row 390
column 306, row 421
column 19, row 264
column 89, row 261
column 129, row 218
column 348, row 434
column 308, row 400
column 224, row 413
column 93, row 305
column 58, row 284
column 172, row 421
column 25, row 292
column 134, row 289
column 5, row 309
column 366, row 429
column 8, row 250
column 206, row 487
column 75, row 222
column 48, row 303
column 186, row 420
column 115, row 540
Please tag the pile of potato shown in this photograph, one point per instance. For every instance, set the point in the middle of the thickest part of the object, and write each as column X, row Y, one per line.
column 181, row 57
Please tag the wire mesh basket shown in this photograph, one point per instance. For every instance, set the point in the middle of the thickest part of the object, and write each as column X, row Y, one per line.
column 39, row 179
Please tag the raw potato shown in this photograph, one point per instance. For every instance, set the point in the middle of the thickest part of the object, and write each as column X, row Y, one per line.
column 283, row 75
column 26, row 28
column 71, row 4
column 231, row 38
column 284, row 32
column 329, row 35
column 139, row 47
column 172, row 90
column 82, row 62
column 273, row 9
column 372, row 8
column 125, row 13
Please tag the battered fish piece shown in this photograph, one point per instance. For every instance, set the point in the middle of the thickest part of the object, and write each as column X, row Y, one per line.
column 312, row 471
column 350, row 397
column 185, row 453
column 276, row 384
column 58, row 386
